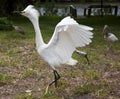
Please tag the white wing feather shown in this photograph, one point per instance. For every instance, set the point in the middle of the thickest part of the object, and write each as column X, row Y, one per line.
column 67, row 36
column 86, row 27
column 112, row 37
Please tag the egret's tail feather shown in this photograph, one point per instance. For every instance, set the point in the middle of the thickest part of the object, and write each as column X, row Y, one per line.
column 72, row 62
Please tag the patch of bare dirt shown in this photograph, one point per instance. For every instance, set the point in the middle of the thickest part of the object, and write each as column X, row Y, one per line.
column 71, row 77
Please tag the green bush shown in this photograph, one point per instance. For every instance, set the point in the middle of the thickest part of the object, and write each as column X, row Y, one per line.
column 5, row 24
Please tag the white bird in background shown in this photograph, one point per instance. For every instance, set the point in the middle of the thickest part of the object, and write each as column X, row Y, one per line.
column 68, row 35
column 18, row 29
column 109, row 36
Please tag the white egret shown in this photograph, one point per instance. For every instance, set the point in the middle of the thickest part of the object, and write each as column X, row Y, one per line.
column 109, row 36
column 18, row 29
column 68, row 35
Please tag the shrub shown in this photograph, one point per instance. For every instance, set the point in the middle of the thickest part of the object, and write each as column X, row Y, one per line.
column 5, row 24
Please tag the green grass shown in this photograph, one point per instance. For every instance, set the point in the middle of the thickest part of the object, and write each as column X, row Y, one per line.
column 25, row 96
column 22, row 68
column 91, row 88
column 5, row 78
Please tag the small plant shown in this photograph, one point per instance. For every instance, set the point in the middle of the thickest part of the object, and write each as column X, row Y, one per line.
column 91, row 88
column 28, row 73
column 92, row 74
column 5, row 78
column 3, row 64
column 51, row 95
column 85, row 89
column 24, row 96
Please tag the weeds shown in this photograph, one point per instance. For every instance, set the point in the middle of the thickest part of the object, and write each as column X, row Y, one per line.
column 5, row 79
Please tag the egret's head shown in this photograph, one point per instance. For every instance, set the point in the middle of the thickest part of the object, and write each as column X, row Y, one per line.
column 30, row 12
column 106, row 29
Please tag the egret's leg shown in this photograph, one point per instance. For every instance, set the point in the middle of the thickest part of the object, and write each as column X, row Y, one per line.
column 56, row 77
column 83, row 54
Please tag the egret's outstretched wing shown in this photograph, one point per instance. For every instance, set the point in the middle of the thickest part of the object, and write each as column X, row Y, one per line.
column 86, row 27
column 67, row 36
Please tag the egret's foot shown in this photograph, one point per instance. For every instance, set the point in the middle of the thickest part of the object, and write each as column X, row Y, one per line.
column 47, row 88
column 57, row 77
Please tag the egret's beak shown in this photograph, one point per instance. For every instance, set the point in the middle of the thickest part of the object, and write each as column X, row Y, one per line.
column 22, row 12
column 19, row 12
column 16, row 12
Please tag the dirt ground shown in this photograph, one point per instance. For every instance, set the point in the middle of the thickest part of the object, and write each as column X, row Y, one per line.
column 28, row 80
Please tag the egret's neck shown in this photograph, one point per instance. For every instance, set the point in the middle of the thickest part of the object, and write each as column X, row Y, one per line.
column 106, row 32
column 39, row 39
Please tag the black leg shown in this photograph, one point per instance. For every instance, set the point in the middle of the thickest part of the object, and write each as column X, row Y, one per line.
column 87, row 59
column 57, row 77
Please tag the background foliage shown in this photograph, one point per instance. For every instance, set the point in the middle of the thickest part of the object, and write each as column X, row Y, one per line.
column 8, row 6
